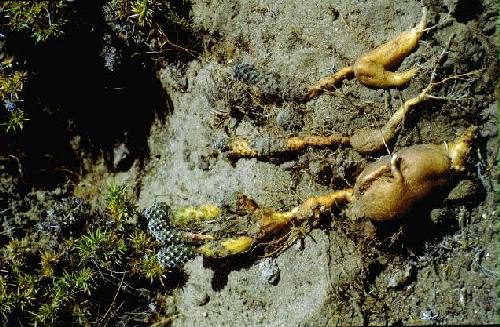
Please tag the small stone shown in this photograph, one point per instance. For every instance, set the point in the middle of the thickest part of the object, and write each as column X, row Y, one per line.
column 269, row 271
column 221, row 143
column 400, row 277
column 438, row 215
column 202, row 299
column 203, row 162
column 289, row 119
column 121, row 157
column 462, row 298
column 428, row 314
column 465, row 190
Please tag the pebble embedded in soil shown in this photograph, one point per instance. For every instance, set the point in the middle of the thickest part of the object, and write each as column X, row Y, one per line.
column 269, row 271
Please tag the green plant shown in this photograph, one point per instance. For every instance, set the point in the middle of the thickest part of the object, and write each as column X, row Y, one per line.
column 11, row 85
column 47, row 261
column 15, row 250
column 102, row 247
column 140, row 242
column 149, row 21
column 6, row 299
column 42, row 19
column 150, row 267
column 144, row 260
column 27, row 288
column 118, row 204
column 15, row 120
column 148, row 13
column 62, row 295
column 48, row 280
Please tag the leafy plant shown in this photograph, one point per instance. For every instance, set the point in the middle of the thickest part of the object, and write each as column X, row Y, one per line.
column 42, row 19
column 118, row 203
column 149, row 21
column 11, row 85
column 15, row 120
column 101, row 247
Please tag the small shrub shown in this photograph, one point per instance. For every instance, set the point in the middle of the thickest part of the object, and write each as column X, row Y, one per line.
column 41, row 19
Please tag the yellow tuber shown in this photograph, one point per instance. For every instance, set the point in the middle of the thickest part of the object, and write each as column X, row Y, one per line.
column 390, row 187
column 363, row 140
column 387, row 189
column 372, row 68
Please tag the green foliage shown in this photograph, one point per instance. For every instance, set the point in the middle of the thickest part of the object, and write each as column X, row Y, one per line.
column 26, row 288
column 153, row 20
column 6, row 299
column 11, row 85
column 141, row 242
column 79, row 278
column 146, row 262
column 62, row 294
column 42, row 19
column 148, row 13
column 15, row 120
column 118, row 204
column 101, row 247
column 60, row 286
column 15, row 251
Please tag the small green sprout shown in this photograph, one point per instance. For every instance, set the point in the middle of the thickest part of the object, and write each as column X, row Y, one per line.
column 11, row 84
column 15, row 121
column 143, row 10
column 101, row 247
column 141, row 242
column 27, row 288
column 118, row 204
